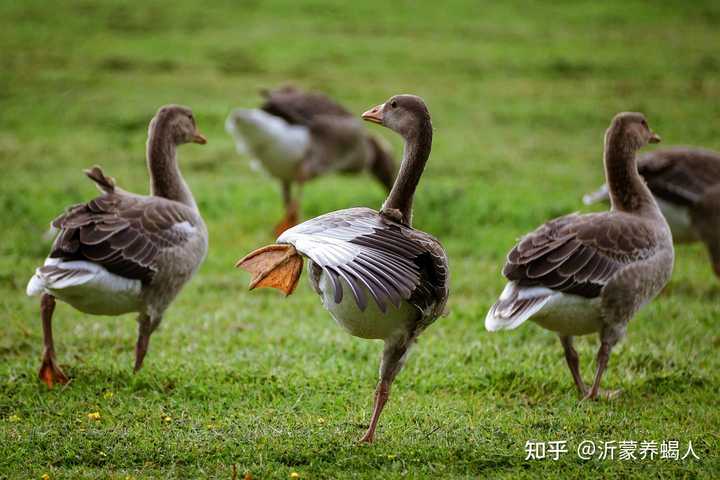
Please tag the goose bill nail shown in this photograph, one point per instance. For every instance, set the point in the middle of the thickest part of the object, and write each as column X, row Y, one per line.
column 199, row 138
column 374, row 115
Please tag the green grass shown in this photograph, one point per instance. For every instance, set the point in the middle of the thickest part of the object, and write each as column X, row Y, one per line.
column 520, row 96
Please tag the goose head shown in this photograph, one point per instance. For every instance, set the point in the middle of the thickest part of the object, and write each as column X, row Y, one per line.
column 405, row 114
column 177, row 123
column 632, row 129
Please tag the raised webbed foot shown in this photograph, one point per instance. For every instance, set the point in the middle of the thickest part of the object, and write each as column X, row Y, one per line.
column 275, row 266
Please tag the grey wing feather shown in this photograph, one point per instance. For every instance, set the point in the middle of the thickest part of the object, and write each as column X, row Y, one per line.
column 124, row 233
column 680, row 175
column 578, row 254
column 392, row 262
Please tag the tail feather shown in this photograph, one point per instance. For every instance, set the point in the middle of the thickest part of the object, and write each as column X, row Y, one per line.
column 515, row 305
column 104, row 183
column 53, row 277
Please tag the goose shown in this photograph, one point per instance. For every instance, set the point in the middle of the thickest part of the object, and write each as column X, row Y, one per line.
column 296, row 136
column 121, row 252
column 685, row 182
column 377, row 276
column 591, row 273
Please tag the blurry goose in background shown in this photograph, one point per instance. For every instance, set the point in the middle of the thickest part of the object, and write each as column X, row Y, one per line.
column 581, row 274
column 377, row 276
column 123, row 252
column 296, row 136
column 686, row 185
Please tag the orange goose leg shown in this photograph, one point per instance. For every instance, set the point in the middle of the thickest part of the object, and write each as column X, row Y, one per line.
column 393, row 359
column 291, row 211
column 382, row 394
column 50, row 372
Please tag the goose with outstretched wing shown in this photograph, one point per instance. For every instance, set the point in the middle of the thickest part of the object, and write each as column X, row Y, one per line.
column 377, row 276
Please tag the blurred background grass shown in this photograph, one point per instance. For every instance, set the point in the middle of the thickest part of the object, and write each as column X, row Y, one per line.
column 520, row 94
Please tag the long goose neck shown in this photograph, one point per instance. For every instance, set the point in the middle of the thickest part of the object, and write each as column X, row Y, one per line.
column 415, row 156
column 165, row 178
column 628, row 192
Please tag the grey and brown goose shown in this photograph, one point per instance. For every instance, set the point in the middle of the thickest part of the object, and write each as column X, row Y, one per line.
column 296, row 136
column 377, row 276
column 122, row 252
column 581, row 274
column 685, row 182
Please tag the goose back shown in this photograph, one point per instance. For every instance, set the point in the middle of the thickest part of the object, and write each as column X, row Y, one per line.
column 126, row 233
column 680, row 175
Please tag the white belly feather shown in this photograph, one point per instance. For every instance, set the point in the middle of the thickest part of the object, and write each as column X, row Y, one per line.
column 87, row 286
column 276, row 146
column 564, row 313
column 371, row 323
column 570, row 315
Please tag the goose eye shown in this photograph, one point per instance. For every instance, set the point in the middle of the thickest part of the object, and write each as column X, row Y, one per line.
column 393, row 104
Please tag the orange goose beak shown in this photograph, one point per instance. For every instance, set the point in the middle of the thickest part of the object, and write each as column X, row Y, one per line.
column 655, row 138
column 374, row 115
column 199, row 138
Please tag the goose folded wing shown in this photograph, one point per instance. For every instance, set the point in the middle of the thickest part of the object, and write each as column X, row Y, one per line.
column 300, row 108
column 337, row 143
column 577, row 254
column 369, row 252
column 680, row 175
column 122, row 233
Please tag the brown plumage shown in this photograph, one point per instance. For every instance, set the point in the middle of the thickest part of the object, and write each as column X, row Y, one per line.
column 300, row 107
column 333, row 128
column 579, row 254
column 680, row 175
column 581, row 274
column 123, row 233
column 122, row 252
column 685, row 182
column 316, row 136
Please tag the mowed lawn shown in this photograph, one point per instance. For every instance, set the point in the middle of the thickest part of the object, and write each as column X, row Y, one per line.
column 520, row 94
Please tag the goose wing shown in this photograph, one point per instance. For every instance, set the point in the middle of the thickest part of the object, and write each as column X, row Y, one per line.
column 579, row 254
column 124, row 233
column 298, row 107
column 366, row 249
column 680, row 175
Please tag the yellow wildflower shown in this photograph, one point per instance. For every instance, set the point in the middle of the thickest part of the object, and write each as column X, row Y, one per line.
column 93, row 416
